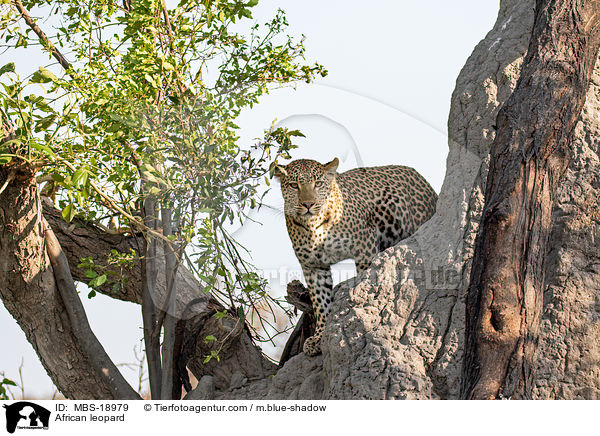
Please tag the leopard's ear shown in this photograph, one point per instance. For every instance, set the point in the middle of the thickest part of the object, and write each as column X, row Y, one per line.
column 277, row 170
column 332, row 166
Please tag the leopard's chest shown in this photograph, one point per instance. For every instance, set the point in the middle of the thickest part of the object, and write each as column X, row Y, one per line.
column 319, row 245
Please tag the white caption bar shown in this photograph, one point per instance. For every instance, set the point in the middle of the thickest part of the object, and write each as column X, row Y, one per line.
column 297, row 417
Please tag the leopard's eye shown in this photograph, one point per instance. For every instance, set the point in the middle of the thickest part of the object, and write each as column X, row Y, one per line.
column 294, row 185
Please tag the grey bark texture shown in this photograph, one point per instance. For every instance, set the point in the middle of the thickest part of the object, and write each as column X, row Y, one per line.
column 397, row 331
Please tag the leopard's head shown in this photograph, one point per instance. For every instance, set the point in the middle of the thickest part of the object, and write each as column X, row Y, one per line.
column 305, row 185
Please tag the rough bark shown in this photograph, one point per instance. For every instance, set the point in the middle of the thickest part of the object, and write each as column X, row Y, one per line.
column 168, row 390
column 531, row 151
column 29, row 292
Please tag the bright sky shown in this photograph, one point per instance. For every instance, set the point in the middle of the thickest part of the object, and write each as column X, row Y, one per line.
column 392, row 69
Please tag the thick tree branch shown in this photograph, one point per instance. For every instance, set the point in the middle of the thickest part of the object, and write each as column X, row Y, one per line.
column 80, row 239
column 94, row 351
column 171, row 266
column 149, row 313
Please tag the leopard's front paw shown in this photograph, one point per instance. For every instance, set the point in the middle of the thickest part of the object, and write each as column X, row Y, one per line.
column 312, row 346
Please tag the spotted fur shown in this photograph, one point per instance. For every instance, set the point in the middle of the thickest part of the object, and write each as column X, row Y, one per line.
column 353, row 215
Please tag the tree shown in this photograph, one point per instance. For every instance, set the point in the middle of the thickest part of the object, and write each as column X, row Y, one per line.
column 531, row 152
column 135, row 139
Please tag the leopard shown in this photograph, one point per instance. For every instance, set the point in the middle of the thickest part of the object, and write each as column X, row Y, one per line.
column 356, row 214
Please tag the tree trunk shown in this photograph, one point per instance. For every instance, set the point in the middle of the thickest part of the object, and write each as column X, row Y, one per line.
column 29, row 291
column 531, row 152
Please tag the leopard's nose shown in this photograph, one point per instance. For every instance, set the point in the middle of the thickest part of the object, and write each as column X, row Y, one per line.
column 308, row 204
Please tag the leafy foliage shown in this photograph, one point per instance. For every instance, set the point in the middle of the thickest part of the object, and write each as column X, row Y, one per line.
column 112, row 273
column 147, row 108
column 3, row 391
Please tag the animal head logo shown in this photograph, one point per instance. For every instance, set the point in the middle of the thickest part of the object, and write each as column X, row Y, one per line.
column 24, row 414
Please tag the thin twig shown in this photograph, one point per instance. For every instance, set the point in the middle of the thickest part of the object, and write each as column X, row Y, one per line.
column 21, row 383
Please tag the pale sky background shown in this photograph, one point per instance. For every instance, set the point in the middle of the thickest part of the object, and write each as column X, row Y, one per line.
column 392, row 69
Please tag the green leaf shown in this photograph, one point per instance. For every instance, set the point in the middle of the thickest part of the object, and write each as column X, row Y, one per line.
column 80, row 177
column 168, row 67
column 150, row 79
column 68, row 212
column 22, row 42
column 42, row 148
column 209, row 338
column 98, row 281
column 48, row 74
column 58, row 177
column 296, row 133
column 8, row 68
column 45, row 122
column 213, row 355
column 221, row 314
column 43, row 75
column 91, row 274
column 8, row 382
